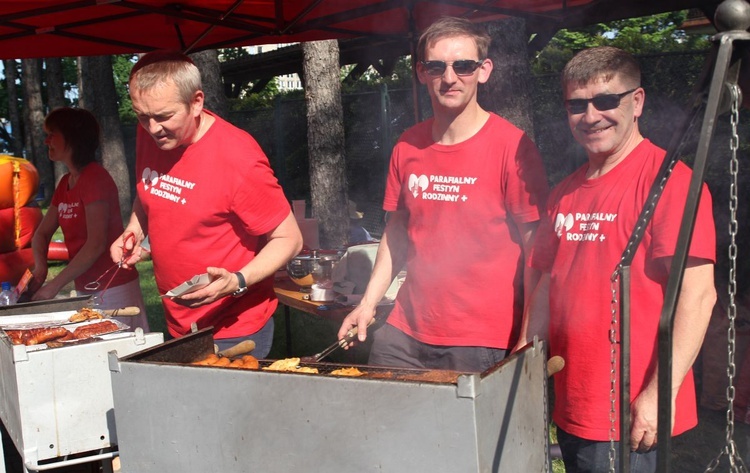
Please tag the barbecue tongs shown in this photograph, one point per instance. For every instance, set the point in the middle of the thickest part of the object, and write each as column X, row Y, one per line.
column 348, row 337
column 335, row 346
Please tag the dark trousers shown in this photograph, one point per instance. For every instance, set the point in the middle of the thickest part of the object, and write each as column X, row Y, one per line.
column 392, row 347
column 589, row 456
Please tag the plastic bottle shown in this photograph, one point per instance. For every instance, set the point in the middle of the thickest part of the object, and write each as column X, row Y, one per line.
column 7, row 296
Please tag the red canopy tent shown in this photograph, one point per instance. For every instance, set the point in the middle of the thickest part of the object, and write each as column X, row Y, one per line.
column 50, row 28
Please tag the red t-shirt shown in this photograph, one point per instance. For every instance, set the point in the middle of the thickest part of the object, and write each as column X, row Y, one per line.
column 580, row 242
column 94, row 185
column 465, row 261
column 210, row 204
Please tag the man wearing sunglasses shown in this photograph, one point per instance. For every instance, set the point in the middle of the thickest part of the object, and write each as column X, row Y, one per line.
column 464, row 194
column 591, row 215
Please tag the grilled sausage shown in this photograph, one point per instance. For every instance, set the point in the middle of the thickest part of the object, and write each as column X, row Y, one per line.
column 44, row 335
column 99, row 328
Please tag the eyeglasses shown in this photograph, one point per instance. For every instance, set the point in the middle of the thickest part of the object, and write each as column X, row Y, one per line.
column 463, row 67
column 601, row 102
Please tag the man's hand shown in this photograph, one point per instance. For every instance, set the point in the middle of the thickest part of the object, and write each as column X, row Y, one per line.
column 223, row 284
column 126, row 249
column 360, row 317
column 644, row 412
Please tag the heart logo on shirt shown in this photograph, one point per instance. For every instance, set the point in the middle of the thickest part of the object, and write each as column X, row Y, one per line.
column 418, row 183
column 149, row 177
column 563, row 221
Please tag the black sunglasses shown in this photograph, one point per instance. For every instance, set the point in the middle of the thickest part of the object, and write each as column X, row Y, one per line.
column 601, row 102
column 463, row 67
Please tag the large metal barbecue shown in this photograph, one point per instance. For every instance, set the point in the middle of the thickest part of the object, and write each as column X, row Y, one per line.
column 56, row 403
column 172, row 416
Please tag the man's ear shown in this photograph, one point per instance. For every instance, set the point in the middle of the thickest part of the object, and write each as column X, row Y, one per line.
column 639, row 98
column 485, row 70
column 196, row 106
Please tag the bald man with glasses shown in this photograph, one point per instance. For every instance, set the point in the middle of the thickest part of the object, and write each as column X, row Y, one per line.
column 464, row 194
column 590, row 217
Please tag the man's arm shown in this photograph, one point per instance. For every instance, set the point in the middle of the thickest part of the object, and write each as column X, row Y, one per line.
column 693, row 312
column 389, row 260
column 283, row 243
column 536, row 316
column 530, row 275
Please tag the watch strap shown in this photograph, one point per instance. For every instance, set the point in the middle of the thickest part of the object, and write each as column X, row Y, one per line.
column 242, row 284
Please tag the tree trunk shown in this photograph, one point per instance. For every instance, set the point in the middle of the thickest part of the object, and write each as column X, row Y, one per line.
column 36, row 150
column 508, row 92
column 325, row 141
column 86, row 95
column 55, row 98
column 98, row 89
column 208, row 63
column 14, row 114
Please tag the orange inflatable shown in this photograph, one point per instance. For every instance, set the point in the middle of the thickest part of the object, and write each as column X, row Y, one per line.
column 19, row 181
column 14, row 264
column 18, row 227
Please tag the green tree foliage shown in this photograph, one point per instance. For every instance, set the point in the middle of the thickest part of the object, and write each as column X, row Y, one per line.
column 121, row 66
column 651, row 34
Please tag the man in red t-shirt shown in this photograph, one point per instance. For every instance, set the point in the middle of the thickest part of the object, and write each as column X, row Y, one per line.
column 591, row 215
column 464, row 194
column 209, row 203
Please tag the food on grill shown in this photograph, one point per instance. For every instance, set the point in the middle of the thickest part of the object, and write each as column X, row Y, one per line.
column 247, row 362
column 347, row 372
column 222, row 361
column 37, row 336
column 44, row 335
column 85, row 314
column 435, row 376
column 209, row 360
column 289, row 364
column 250, row 362
column 99, row 328
column 285, row 364
column 16, row 336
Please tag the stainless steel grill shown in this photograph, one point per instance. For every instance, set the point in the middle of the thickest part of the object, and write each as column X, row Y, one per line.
column 173, row 416
column 56, row 403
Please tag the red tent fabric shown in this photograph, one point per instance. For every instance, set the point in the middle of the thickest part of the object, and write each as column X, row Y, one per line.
column 49, row 28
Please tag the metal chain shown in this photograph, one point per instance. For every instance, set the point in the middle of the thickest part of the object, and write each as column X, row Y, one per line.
column 613, row 331
column 730, row 449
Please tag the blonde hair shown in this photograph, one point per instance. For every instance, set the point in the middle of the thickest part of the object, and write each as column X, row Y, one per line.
column 450, row 27
column 159, row 67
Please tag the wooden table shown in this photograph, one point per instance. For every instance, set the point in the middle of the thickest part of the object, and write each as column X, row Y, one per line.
column 289, row 295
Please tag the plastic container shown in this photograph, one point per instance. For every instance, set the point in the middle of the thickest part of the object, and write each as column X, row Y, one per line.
column 7, row 296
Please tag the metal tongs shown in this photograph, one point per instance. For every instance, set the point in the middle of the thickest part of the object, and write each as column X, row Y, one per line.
column 95, row 285
column 348, row 337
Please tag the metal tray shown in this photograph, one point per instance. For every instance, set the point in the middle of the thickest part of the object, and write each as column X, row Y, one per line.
column 54, row 305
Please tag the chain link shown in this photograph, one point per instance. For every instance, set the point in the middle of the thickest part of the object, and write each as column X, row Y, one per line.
column 736, row 464
column 613, row 331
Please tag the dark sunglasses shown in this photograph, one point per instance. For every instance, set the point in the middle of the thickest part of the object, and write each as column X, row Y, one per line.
column 600, row 102
column 463, row 67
